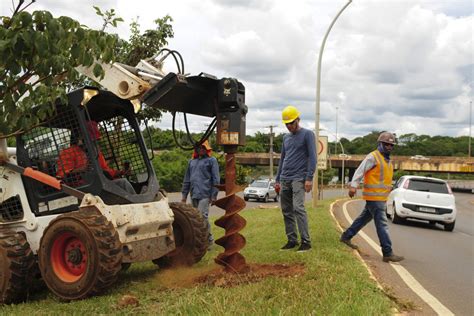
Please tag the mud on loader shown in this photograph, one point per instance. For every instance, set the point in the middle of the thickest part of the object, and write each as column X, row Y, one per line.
column 77, row 228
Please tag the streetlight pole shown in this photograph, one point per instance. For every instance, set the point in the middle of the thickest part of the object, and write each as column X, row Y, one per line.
column 335, row 144
column 318, row 94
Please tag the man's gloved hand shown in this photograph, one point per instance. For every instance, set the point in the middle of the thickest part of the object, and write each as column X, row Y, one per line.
column 352, row 192
column 277, row 187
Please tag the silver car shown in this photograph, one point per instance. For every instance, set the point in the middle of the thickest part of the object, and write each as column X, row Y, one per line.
column 261, row 190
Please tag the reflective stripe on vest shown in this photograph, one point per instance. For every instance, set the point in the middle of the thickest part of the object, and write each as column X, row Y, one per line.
column 378, row 180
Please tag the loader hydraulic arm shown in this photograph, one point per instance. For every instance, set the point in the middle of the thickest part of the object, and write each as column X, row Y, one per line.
column 202, row 95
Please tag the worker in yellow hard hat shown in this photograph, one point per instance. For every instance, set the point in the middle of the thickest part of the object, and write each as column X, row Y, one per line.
column 200, row 180
column 295, row 177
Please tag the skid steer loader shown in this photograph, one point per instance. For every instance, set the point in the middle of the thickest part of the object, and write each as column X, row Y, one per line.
column 79, row 199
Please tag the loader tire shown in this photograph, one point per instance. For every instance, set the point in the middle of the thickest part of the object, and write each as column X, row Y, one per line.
column 191, row 237
column 80, row 254
column 16, row 271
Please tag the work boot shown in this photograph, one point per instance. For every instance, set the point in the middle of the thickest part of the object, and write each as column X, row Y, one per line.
column 289, row 245
column 393, row 258
column 349, row 243
column 304, row 247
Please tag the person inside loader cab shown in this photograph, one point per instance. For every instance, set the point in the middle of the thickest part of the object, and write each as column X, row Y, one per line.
column 73, row 161
column 200, row 180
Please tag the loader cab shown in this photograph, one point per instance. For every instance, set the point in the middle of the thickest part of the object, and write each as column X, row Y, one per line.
column 93, row 144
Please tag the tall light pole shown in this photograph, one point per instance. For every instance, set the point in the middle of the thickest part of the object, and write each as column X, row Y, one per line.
column 335, row 144
column 318, row 94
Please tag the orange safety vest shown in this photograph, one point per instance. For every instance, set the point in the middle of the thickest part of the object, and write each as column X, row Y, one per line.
column 378, row 180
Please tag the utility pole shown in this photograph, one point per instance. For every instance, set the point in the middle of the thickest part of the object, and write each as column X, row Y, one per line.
column 470, row 126
column 271, row 150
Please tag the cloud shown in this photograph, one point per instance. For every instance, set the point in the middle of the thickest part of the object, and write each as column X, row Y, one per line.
column 404, row 66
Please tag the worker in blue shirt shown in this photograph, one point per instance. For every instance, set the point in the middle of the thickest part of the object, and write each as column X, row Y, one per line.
column 201, row 178
column 295, row 177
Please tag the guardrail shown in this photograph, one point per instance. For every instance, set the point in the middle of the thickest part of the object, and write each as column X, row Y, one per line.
column 462, row 185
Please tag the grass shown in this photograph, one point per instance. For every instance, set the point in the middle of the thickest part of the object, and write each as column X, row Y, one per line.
column 335, row 282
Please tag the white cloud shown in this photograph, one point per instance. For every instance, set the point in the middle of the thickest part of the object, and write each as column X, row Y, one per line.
column 397, row 65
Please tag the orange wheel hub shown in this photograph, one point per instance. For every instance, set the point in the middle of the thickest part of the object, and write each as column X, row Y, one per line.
column 69, row 257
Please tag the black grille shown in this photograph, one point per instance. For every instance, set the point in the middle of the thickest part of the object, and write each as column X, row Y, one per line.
column 11, row 209
column 48, row 149
column 119, row 145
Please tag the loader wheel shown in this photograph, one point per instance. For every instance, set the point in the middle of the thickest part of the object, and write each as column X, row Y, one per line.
column 191, row 237
column 16, row 270
column 80, row 254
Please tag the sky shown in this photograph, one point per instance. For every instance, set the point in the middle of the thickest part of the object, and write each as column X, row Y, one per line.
column 404, row 66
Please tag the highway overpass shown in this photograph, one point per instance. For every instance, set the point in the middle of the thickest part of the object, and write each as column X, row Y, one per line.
column 408, row 163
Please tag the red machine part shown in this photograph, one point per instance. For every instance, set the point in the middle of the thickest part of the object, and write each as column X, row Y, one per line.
column 232, row 222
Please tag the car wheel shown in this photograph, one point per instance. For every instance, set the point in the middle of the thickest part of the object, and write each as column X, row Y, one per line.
column 449, row 227
column 265, row 199
column 386, row 213
column 395, row 218
column 246, row 198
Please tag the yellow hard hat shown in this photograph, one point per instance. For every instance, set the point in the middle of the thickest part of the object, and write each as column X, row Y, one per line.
column 289, row 114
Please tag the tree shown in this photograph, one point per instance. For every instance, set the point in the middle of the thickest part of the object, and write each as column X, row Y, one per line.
column 144, row 46
column 38, row 56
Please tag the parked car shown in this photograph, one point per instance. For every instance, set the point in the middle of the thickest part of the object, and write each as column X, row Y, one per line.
column 262, row 190
column 423, row 198
column 419, row 157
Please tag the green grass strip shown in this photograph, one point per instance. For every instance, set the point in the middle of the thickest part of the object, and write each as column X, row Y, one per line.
column 335, row 282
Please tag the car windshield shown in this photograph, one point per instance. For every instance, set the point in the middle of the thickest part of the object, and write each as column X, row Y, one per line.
column 259, row 184
column 427, row 186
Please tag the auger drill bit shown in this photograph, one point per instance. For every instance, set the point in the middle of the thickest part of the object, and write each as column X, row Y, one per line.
column 232, row 222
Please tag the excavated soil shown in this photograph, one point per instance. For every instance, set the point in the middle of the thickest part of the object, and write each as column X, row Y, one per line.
column 216, row 276
column 254, row 273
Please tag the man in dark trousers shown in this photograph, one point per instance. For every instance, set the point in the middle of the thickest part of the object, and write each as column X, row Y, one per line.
column 295, row 177
column 200, row 180
column 377, row 171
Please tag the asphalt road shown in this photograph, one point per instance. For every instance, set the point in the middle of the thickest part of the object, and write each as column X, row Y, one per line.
column 442, row 262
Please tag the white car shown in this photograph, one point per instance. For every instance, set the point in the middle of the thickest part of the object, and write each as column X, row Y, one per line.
column 262, row 190
column 423, row 198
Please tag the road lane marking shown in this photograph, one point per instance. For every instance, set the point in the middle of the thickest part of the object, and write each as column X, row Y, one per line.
column 409, row 280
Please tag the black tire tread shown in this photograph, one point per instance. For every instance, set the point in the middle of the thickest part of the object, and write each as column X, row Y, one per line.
column 108, row 246
column 449, row 227
column 197, row 247
column 18, row 268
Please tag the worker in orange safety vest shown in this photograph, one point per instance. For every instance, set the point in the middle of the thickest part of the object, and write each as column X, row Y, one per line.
column 377, row 171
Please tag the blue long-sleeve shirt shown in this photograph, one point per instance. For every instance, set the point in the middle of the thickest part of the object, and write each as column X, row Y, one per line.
column 298, row 156
column 201, row 178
